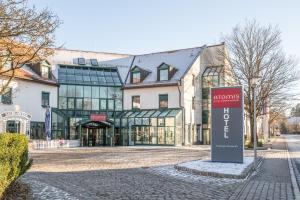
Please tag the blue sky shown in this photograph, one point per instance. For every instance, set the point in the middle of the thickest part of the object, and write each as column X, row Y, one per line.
column 143, row 26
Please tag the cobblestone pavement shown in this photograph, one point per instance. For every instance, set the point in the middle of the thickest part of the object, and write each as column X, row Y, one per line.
column 272, row 181
column 121, row 173
column 126, row 173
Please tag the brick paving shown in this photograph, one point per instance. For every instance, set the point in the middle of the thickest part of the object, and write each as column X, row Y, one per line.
column 272, row 181
column 146, row 173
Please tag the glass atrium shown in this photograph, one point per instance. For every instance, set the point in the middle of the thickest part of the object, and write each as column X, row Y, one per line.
column 212, row 77
column 83, row 91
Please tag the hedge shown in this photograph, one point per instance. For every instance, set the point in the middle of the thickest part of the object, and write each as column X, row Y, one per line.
column 13, row 158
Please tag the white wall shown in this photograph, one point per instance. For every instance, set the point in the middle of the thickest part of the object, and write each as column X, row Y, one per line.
column 209, row 57
column 27, row 97
column 149, row 97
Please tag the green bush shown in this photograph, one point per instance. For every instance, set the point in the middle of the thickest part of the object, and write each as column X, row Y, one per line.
column 13, row 158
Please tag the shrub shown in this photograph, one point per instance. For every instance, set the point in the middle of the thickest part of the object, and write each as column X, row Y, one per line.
column 13, row 158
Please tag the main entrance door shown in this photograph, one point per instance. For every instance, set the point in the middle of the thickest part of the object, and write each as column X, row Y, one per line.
column 94, row 137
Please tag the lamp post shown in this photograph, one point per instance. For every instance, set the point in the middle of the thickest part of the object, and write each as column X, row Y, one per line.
column 254, row 82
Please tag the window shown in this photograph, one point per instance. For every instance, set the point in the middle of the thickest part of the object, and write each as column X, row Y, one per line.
column 62, row 103
column 79, row 103
column 136, row 102
column 103, row 104
column 163, row 72
column 45, row 72
column 135, row 75
column 193, row 103
column 71, row 103
column 205, row 93
column 94, row 62
column 205, row 116
column 37, row 130
column 81, row 61
column 45, row 99
column 95, row 104
column 7, row 96
column 110, row 104
column 163, row 101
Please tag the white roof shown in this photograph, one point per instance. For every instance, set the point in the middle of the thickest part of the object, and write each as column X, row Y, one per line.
column 293, row 120
column 123, row 65
column 180, row 59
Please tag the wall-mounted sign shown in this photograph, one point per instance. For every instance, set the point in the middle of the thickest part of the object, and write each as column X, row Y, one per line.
column 98, row 117
column 15, row 115
column 227, row 124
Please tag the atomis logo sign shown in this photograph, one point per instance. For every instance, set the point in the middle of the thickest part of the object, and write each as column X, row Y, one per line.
column 226, row 98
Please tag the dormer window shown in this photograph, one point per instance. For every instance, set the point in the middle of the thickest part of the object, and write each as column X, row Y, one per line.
column 137, row 75
column 45, row 71
column 165, row 72
column 81, row 61
column 94, row 62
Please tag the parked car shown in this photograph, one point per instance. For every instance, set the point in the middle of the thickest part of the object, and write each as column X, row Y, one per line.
column 277, row 133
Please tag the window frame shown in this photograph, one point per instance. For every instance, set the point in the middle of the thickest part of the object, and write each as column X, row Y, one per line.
column 162, row 67
column 132, row 98
column 160, row 96
column 43, row 74
column 44, row 100
column 7, row 98
column 134, row 71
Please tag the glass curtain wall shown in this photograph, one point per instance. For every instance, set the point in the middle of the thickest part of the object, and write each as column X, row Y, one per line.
column 85, row 90
column 212, row 77
column 150, row 127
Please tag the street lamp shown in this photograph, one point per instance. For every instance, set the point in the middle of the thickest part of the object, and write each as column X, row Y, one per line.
column 254, row 82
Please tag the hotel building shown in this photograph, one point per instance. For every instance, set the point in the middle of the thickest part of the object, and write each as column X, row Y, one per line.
column 100, row 99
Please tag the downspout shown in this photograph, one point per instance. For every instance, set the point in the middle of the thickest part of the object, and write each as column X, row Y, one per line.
column 183, row 113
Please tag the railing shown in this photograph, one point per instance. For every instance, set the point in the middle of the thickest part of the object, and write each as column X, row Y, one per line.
column 53, row 144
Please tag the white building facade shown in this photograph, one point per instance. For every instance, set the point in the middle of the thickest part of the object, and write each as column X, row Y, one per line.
column 23, row 104
column 100, row 99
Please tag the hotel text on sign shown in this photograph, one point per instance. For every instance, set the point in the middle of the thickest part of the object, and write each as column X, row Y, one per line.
column 227, row 118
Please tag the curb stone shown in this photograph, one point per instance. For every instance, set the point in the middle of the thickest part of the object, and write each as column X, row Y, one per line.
column 245, row 173
column 294, row 174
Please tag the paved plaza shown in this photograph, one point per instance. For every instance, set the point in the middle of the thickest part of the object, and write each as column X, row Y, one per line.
column 148, row 173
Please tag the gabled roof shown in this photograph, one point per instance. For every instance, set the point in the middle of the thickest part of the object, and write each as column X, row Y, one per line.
column 26, row 74
column 179, row 59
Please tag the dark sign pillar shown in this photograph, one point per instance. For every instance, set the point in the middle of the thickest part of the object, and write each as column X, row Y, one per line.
column 227, row 124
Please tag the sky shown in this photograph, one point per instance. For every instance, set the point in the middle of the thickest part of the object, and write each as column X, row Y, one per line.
column 145, row 26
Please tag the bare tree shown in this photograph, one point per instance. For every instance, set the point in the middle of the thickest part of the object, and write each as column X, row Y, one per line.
column 253, row 51
column 26, row 36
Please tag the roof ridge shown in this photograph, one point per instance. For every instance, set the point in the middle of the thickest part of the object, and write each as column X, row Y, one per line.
column 88, row 51
column 171, row 51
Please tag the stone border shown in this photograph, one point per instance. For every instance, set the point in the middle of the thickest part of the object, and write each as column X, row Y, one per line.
column 244, row 174
column 295, row 177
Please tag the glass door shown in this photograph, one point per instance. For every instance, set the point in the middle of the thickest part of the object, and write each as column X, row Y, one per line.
column 141, row 134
